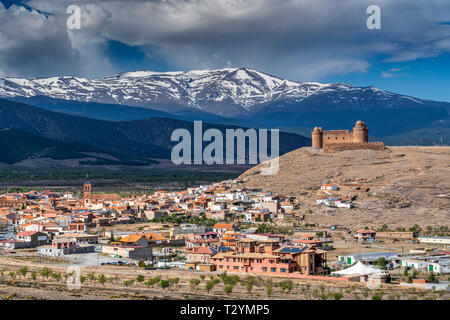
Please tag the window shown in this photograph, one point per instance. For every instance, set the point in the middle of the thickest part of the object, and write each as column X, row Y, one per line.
column 220, row 266
column 228, row 259
column 234, row 259
column 282, row 270
column 264, row 269
column 273, row 269
column 236, row 268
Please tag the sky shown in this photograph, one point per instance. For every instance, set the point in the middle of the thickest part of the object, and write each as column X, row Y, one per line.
column 301, row 40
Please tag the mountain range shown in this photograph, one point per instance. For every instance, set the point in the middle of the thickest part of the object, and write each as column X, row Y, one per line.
column 241, row 97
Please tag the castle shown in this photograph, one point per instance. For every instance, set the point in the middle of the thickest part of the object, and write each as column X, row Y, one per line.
column 339, row 140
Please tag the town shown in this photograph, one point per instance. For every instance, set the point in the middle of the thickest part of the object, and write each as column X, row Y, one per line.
column 212, row 234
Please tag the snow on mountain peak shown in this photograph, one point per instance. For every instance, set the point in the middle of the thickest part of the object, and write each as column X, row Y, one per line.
column 200, row 89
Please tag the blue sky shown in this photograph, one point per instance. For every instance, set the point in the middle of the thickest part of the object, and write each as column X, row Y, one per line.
column 321, row 40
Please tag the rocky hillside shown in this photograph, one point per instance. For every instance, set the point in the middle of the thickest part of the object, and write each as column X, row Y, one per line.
column 399, row 187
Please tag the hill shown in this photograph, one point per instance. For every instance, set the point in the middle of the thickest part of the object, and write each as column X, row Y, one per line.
column 405, row 185
column 22, row 147
column 148, row 138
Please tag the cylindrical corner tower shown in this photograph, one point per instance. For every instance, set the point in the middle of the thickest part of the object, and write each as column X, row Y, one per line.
column 360, row 132
column 317, row 138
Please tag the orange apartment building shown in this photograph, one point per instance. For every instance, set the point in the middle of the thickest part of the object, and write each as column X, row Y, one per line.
column 270, row 258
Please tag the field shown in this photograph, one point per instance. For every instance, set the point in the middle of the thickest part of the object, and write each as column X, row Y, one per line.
column 131, row 282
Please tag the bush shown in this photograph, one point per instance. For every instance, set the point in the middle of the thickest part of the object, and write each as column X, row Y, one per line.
column 164, row 284
column 128, row 283
column 337, row 296
column 269, row 290
column 101, row 279
column 140, row 278
column 286, row 285
column 194, row 283
column 228, row 289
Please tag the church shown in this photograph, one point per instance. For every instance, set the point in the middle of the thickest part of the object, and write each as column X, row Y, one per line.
column 90, row 199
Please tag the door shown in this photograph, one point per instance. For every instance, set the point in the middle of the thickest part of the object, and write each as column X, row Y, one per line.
column 349, row 260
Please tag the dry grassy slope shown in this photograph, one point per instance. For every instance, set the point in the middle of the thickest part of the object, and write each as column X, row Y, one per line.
column 403, row 182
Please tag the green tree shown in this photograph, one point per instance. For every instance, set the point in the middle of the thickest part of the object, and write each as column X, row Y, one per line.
column 23, row 271
column 140, row 278
column 286, row 285
column 102, row 279
column 45, row 272
column 128, row 283
column 91, row 276
column 382, row 263
column 194, row 283
column 33, row 275
column 164, row 284
column 269, row 290
column 12, row 274
column 432, row 278
column 228, row 289
column 56, row 276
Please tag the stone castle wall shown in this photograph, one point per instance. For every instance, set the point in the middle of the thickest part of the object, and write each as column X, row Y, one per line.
column 330, row 147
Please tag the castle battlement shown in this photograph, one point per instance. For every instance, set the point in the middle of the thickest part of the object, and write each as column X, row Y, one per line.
column 339, row 140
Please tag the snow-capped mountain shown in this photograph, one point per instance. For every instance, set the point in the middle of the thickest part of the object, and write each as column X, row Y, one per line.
column 226, row 92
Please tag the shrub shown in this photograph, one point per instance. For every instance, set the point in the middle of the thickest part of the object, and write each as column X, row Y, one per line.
column 164, row 284
column 228, row 289
column 140, row 278
column 337, row 296
column 194, row 283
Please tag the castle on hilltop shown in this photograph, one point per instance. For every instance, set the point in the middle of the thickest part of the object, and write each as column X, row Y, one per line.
column 339, row 140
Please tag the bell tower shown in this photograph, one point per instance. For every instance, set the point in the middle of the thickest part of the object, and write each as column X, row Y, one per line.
column 87, row 190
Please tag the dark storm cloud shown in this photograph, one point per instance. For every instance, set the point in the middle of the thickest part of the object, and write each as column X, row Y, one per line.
column 299, row 39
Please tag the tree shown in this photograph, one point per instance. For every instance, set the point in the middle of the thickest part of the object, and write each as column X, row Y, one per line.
column 194, row 283
column 174, row 281
column 12, row 274
column 140, row 278
column 91, row 276
column 141, row 264
column 164, row 284
column 286, row 285
column 382, row 263
column 56, row 276
column 23, row 271
column 102, row 279
column 82, row 279
column 228, row 289
column 337, row 296
column 45, row 272
column 202, row 276
column 210, row 284
column 33, row 275
column 128, row 283
column 269, row 290
column 432, row 278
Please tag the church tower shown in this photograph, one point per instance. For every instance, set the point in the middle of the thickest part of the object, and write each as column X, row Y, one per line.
column 87, row 190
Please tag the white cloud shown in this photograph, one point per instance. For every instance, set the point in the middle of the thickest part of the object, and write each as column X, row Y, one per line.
column 298, row 39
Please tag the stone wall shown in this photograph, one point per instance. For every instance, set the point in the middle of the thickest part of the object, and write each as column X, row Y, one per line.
column 330, row 147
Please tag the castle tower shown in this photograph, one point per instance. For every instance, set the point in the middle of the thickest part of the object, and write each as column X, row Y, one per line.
column 317, row 138
column 87, row 190
column 360, row 132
